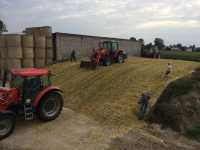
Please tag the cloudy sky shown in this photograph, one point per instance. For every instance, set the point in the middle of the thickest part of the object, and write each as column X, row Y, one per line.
column 173, row 20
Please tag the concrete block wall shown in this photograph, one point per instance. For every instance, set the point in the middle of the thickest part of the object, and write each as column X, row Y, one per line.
column 133, row 48
column 83, row 45
column 64, row 45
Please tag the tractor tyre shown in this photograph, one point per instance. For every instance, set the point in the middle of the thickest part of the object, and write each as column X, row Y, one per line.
column 120, row 59
column 50, row 106
column 107, row 61
column 7, row 125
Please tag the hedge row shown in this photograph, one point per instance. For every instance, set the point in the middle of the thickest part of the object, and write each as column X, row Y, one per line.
column 189, row 56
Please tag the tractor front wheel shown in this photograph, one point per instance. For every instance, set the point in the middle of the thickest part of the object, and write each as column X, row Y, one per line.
column 120, row 59
column 50, row 106
column 107, row 61
column 7, row 125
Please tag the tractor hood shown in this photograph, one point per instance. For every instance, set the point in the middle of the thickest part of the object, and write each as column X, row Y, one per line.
column 4, row 91
column 7, row 96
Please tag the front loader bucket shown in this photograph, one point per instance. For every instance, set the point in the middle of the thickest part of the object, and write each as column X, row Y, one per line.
column 88, row 65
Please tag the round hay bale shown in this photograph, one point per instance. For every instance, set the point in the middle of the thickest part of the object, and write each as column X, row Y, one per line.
column 49, row 61
column 2, row 41
column 14, row 52
column 3, row 64
column 13, row 40
column 40, row 42
column 46, row 31
column 2, row 74
column 40, row 53
column 28, row 63
column 14, row 63
column 27, row 41
column 49, row 53
column 39, row 63
column 49, row 42
column 28, row 53
column 3, row 52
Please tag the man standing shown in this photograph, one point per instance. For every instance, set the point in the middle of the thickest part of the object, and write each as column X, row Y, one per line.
column 169, row 69
column 144, row 102
column 73, row 56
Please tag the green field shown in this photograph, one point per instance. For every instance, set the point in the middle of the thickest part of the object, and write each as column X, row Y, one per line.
column 190, row 56
column 109, row 95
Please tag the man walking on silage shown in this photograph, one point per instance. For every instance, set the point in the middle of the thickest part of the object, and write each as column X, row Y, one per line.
column 144, row 103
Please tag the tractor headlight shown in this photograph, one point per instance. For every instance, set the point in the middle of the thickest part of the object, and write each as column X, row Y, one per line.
column 28, row 101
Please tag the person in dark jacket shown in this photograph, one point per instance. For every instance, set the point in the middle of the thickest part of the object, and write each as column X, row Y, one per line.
column 73, row 56
column 144, row 103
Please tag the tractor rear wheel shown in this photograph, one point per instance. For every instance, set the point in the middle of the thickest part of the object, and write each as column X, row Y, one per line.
column 120, row 59
column 7, row 125
column 50, row 106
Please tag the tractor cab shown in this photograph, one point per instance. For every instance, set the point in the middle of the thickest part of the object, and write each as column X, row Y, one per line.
column 29, row 82
column 110, row 45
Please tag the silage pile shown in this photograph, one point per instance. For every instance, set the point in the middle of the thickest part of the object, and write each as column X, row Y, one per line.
column 178, row 107
column 152, row 138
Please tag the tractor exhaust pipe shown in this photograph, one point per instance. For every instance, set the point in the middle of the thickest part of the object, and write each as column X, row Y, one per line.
column 5, row 74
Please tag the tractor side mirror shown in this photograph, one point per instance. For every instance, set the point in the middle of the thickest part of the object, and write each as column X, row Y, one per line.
column 3, row 79
column 1, row 83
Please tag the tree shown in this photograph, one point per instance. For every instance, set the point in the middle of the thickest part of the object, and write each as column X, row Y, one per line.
column 141, row 41
column 133, row 39
column 148, row 46
column 179, row 45
column 2, row 27
column 159, row 43
column 193, row 47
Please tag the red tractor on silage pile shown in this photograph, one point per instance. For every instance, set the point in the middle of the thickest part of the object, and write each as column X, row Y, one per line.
column 30, row 93
column 107, row 53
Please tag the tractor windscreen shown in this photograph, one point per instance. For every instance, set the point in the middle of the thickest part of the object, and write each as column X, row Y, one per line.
column 16, row 82
column 107, row 45
column 115, row 46
column 29, row 86
column 33, row 85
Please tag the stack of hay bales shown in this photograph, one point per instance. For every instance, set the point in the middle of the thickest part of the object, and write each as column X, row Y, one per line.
column 39, row 31
column 3, row 50
column 32, row 49
column 28, row 51
column 14, row 51
column 41, row 35
column 49, row 56
column 40, row 51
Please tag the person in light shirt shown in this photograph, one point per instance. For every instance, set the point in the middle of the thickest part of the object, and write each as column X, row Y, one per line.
column 169, row 69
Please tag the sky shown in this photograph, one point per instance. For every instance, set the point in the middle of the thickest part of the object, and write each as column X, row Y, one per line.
column 175, row 21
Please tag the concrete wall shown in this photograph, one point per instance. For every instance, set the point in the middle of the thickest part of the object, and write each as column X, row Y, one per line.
column 83, row 45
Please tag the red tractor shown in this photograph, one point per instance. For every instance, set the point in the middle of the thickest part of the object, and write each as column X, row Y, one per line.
column 30, row 93
column 107, row 53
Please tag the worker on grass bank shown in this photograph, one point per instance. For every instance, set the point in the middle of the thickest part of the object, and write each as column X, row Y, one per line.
column 169, row 70
column 73, row 56
column 144, row 103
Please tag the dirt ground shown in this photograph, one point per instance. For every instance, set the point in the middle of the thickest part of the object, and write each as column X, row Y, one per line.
column 153, row 138
column 71, row 131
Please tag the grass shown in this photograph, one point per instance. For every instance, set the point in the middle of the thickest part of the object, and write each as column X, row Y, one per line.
column 109, row 95
column 189, row 56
